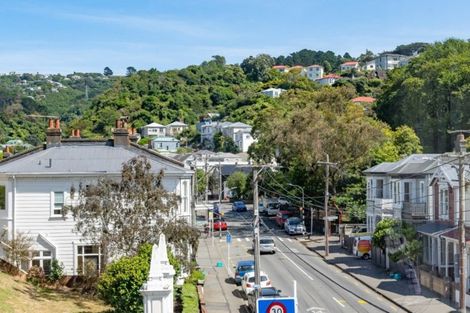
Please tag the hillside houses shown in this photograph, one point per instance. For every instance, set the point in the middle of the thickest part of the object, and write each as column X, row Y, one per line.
column 239, row 132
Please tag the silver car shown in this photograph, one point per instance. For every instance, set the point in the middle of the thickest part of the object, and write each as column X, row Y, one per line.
column 294, row 226
column 266, row 245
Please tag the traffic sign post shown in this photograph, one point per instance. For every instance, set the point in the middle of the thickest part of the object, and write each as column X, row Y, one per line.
column 276, row 305
column 228, row 239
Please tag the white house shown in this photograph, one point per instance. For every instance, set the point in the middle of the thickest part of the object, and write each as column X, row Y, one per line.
column 281, row 68
column 313, row 72
column 400, row 190
column 369, row 66
column 35, row 186
column 230, row 129
column 243, row 140
column 347, row 66
column 153, row 129
column 329, row 79
column 175, row 128
column 388, row 61
column 165, row 144
column 273, row 92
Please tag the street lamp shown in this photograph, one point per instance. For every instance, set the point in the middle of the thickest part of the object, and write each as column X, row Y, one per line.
column 303, row 205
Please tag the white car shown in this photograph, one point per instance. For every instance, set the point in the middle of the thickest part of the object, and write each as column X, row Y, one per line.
column 272, row 209
column 248, row 281
column 294, row 226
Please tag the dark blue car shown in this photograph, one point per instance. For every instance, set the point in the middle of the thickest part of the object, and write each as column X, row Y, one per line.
column 242, row 268
column 239, row 206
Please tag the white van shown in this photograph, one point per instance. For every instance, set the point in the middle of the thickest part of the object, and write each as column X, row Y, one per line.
column 362, row 246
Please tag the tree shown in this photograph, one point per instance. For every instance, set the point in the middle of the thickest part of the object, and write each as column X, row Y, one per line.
column 224, row 144
column 237, row 182
column 366, row 56
column 129, row 71
column 258, row 68
column 120, row 215
column 219, row 60
column 107, row 71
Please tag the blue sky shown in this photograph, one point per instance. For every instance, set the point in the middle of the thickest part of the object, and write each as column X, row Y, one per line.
column 51, row 36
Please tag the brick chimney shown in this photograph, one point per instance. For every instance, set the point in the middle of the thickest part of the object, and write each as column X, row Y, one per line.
column 133, row 135
column 120, row 133
column 53, row 133
column 75, row 133
column 7, row 152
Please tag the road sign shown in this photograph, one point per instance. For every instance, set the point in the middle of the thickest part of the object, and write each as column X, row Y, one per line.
column 276, row 305
column 331, row 218
column 228, row 238
column 211, row 215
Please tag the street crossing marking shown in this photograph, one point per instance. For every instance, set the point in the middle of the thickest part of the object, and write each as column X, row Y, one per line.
column 295, row 264
column 280, row 238
column 337, row 301
column 361, row 301
column 247, row 239
column 288, row 239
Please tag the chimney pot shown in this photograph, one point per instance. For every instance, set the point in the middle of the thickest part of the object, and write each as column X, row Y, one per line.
column 53, row 133
column 57, row 123
column 121, row 133
column 51, row 123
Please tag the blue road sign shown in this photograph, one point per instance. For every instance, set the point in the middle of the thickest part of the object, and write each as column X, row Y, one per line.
column 276, row 305
column 228, row 238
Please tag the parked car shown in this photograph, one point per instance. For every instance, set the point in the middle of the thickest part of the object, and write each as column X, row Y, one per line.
column 242, row 268
column 261, row 208
column 220, row 224
column 248, row 282
column 239, row 206
column 272, row 209
column 266, row 245
column 282, row 216
column 267, row 292
column 216, row 208
column 294, row 226
column 282, row 200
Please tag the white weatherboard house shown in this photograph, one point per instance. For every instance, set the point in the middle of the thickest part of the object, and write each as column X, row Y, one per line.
column 154, row 129
column 36, row 185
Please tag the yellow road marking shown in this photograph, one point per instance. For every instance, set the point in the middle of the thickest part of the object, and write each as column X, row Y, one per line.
column 360, row 301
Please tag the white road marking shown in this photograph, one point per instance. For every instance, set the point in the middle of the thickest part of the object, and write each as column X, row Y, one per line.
column 288, row 239
column 294, row 250
column 280, row 238
column 247, row 239
column 337, row 301
column 221, row 240
column 238, row 239
column 315, row 309
column 295, row 264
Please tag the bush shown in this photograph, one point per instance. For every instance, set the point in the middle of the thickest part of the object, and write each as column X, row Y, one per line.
column 35, row 275
column 57, row 271
column 120, row 283
column 189, row 298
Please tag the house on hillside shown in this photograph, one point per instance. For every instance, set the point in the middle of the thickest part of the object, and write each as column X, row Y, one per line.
column 165, row 144
column 273, row 92
column 244, row 140
column 153, row 129
column 348, row 66
column 368, row 100
column 369, row 66
column 329, row 79
column 400, row 190
column 389, row 61
column 313, row 72
column 175, row 128
column 36, row 185
column 230, row 129
column 281, row 68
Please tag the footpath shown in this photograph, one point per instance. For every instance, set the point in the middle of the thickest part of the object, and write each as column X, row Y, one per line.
column 401, row 292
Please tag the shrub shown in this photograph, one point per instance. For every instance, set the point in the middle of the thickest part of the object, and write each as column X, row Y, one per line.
column 57, row 271
column 35, row 275
column 189, row 298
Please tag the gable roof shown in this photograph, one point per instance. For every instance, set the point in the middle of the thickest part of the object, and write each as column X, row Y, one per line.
column 176, row 123
column 238, row 125
column 350, row 63
column 413, row 164
column 154, row 125
column 166, row 139
column 279, row 67
column 86, row 157
column 330, row 76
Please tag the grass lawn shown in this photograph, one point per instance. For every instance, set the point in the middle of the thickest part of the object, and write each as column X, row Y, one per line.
column 17, row 296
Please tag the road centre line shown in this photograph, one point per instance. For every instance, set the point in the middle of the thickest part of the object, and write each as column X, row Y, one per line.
column 295, row 264
column 337, row 301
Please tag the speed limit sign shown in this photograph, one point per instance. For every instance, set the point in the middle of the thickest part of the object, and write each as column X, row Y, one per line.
column 276, row 305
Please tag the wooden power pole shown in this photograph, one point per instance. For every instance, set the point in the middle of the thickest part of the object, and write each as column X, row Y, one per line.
column 327, row 164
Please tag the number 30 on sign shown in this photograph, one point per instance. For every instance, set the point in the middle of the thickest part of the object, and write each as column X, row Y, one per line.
column 277, row 307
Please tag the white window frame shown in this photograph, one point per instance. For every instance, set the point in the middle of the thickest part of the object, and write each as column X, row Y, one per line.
column 83, row 256
column 377, row 188
column 53, row 204
column 184, row 196
column 41, row 258
column 444, row 203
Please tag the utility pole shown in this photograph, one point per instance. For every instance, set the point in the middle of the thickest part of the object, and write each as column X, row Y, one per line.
column 206, row 191
column 256, row 230
column 461, row 154
column 327, row 164
column 303, row 198
column 220, row 185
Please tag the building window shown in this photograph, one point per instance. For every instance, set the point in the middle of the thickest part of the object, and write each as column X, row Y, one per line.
column 379, row 189
column 88, row 259
column 422, row 193
column 444, row 202
column 406, row 194
column 185, row 197
column 58, row 203
column 42, row 259
column 3, row 198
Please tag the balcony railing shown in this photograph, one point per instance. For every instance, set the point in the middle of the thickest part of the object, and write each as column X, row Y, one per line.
column 380, row 207
column 414, row 211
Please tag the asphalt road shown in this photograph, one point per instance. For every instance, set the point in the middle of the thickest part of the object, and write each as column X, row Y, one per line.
column 321, row 287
